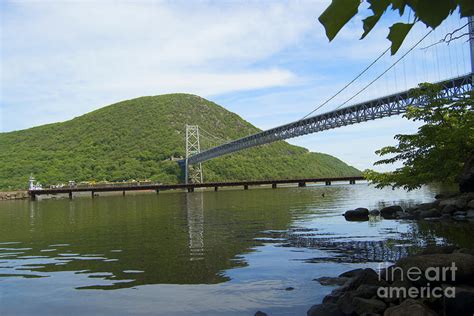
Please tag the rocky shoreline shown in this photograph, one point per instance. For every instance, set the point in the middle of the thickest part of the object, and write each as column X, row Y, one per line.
column 437, row 281
column 13, row 195
column 457, row 207
column 414, row 285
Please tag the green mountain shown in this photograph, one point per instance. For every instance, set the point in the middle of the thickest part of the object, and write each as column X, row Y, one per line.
column 135, row 139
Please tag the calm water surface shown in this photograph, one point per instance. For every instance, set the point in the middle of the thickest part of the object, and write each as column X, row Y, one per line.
column 214, row 253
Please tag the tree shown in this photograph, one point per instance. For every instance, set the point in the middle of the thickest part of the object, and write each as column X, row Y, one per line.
column 429, row 12
column 438, row 151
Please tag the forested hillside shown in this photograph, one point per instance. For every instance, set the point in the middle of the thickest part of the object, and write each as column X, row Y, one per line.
column 135, row 139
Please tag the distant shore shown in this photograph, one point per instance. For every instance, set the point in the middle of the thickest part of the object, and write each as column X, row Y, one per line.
column 13, row 195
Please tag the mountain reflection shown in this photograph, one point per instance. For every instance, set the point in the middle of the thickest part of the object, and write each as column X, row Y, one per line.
column 121, row 242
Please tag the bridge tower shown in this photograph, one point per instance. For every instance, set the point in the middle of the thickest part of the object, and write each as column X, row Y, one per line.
column 193, row 173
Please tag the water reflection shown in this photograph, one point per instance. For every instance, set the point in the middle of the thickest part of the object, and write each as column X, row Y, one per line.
column 245, row 241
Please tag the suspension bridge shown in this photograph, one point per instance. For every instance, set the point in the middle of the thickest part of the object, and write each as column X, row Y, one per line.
column 380, row 107
column 455, row 83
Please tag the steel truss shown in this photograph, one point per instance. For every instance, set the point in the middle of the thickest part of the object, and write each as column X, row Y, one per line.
column 193, row 173
column 394, row 104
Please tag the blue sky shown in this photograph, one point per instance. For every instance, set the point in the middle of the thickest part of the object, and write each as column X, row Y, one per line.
column 269, row 62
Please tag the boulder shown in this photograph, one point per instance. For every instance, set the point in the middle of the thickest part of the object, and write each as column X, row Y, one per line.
column 390, row 212
column 368, row 277
column 470, row 205
column 459, row 201
column 329, row 309
column 351, row 273
column 374, row 213
column 464, row 264
column 332, row 280
column 366, row 291
column 427, row 206
column 359, row 214
column 364, row 305
column 430, row 250
column 409, row 307
column 406, row 216
column 462, row 303
column 449, row 209
column 429, row 213
column 260, row 313
column 460, row 217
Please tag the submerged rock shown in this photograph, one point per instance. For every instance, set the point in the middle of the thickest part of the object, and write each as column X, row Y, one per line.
column 374, row 213
column 359, row 214
column 390, row 212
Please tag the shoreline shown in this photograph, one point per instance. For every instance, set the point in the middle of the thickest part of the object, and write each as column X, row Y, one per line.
column 14, row 195
column 439, row 280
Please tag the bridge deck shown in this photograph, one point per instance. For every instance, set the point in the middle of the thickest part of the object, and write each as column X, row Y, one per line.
column 190, row 186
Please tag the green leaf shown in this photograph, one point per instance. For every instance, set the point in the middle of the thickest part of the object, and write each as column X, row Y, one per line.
column 466, row 7
column 399, row 5
column 398, row 32
column 433, row 12
column 369, row 24
column 337, row 14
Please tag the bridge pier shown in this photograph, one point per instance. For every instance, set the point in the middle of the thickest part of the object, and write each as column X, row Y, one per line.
column 32, row 197
column 157, row 191
column 328, row 182
column 190, row 189
column 246, row 187
column 70, row 195
column 123, row 193
column 352, row 181
column 274, row 185
column 301, row 184
column 92, row 194
column 216, row 188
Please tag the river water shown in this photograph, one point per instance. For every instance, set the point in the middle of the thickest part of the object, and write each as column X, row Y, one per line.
column 231, row 252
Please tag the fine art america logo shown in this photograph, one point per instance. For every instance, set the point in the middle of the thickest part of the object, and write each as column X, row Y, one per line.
column 431, row 279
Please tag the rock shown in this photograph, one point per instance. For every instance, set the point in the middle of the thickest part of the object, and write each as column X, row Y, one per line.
column 409, row 307
column 464, row 264
column 406, row 216
column 367, row 277
column 366, row 291
column 332, row 280
column 462, row 303
column 389, row 212
column 374, row 213
column 449, row 209
column 430, row 213
column 460, row 202
column 460, row 217
column 470, row 204
column 427, row 206
column 364, row 305
column 430, row 250
column 351, row 273
column 329, row 309
column 359, row 214
column 470, row 214
column 290, row 288
column 466, row 178
column 260, row 313
column 459, row 213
